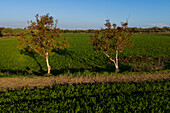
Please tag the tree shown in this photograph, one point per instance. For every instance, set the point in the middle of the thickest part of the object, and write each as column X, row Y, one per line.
column 41, row 38
column 155, row 29
column 8, row 32
column 112, row 39
column 1, row 29
column 165, row 29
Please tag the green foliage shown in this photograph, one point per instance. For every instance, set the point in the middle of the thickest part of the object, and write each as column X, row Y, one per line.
column 13, row 32
column 80, row 56
column 8, row 32
column 19, row 31
column 105, row 97
column 154, row 29
column 1, row 29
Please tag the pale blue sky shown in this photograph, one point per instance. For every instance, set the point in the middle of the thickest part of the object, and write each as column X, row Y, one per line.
column 86, row 14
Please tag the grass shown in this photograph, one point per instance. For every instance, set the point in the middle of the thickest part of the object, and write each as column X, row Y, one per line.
column 80, row 56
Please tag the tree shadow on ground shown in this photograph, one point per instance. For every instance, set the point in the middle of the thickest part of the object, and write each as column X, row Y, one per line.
column 27, row 71
column 109, row 67
column 67, row 70
column 10, row 72
column 41, row 72
column 167, row 64
column 1, row 34
column 64, row 52
column 166, row 35
column 97, row 69
column 33, row 55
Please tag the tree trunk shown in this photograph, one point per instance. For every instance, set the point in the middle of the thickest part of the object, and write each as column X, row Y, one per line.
column 48, row 66
column 116, row 62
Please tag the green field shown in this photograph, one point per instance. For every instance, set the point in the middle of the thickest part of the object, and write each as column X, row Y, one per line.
column 80, row 56
column 80, row 59
column 105, row 97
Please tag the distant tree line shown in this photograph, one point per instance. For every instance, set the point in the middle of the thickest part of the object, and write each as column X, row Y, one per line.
column 11, row 31
column 18, row 31
column 1, row 29
column 79, row 31
column 149, row 30
column 130, row 29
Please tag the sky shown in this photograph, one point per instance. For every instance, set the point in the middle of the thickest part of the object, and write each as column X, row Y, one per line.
column 86, row 14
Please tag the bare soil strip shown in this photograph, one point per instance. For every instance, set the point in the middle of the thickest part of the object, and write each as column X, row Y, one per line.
column 49, row 81
column 6, row 37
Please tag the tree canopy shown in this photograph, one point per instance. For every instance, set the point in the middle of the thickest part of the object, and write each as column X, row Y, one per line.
column 42, row 36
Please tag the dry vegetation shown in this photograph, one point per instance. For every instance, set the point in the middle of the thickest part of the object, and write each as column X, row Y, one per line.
column 49, row 81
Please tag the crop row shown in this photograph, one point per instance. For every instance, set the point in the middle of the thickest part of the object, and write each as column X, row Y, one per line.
column 105, row 97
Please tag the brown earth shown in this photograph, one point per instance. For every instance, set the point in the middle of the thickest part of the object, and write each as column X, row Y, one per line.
column 49, row 81
column 6, row 37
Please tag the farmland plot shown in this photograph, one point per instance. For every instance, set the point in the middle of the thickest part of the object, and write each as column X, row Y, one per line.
column 80, row 56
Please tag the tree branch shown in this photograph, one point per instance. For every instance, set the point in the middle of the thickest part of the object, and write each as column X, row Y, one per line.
column 109, row 57
column 35, row 50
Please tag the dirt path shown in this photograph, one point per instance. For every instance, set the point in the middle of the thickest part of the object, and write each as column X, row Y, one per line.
column 48, row 81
